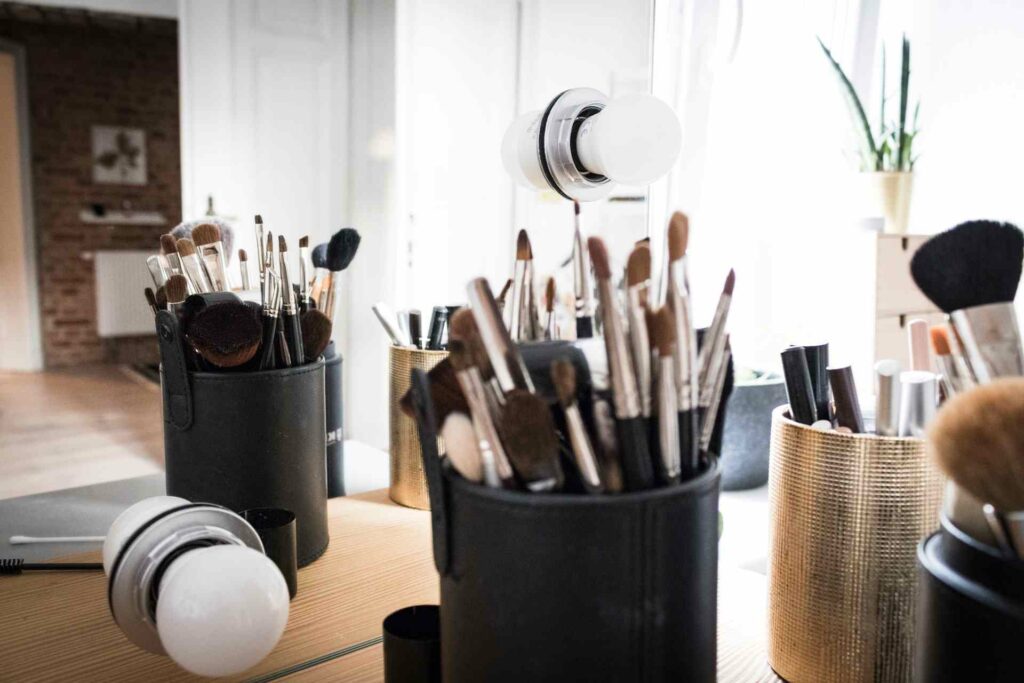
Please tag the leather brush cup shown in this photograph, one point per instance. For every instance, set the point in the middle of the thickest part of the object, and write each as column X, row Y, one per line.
column 563, row 586
column 246, row 439
column 847, row 513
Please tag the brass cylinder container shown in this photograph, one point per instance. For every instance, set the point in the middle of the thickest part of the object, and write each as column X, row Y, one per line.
column 847, row 514
column 408, row 482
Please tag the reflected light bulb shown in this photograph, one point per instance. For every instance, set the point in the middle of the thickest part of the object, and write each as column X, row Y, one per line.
column 221, row 609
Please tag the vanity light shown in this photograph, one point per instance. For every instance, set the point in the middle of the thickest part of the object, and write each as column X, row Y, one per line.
column 583, row 144
column 190, row 580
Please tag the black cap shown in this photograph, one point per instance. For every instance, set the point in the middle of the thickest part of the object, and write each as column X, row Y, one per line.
column 412, row 645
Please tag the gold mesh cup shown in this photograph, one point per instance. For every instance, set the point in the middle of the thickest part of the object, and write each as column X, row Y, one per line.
column 847, row 513
column 408, row 482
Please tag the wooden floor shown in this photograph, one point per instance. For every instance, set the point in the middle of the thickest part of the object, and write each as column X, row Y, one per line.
column 67, row 428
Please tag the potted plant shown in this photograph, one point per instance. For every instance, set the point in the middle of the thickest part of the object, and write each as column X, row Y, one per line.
column 886, row 156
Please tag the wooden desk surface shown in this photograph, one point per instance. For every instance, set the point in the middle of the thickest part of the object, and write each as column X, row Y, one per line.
column 58, row 626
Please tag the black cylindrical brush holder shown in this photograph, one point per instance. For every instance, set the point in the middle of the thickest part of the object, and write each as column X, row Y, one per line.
column 335, row 422
column 250, row 440
column 552, row 587
column 970, row 611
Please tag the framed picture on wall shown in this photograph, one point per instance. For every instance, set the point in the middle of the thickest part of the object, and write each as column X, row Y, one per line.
column 118, row 155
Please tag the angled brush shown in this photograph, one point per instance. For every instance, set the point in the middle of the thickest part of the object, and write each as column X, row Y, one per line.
column 563, row 376
column 193, row 266
column 530, row 440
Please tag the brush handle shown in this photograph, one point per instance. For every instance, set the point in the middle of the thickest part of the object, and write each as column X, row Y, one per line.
column 635, row 456
column 584, row 327
column 284, row 356
column 293, row 332
column 798, row 386
column 689, row 442
column 817, row 367
column 267, row 346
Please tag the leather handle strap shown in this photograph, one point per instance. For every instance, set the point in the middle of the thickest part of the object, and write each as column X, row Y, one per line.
column 174, row 371
column 426, row 421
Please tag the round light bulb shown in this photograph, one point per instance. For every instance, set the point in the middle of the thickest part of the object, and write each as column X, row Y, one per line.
column 634, row 140
column 221, row 609
column 129, row 521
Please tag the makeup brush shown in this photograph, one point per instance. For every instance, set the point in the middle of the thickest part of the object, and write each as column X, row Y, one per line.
column 519, row 311
column 718, row 396
column 341, row 250
column 799, row 392
column 151, row 299
column 271, row 310
column 225, row 335
column 531, row 443
column 169, row 248
column 304, row 270
column 550, row 294
column 887, row 397
column 638, row 276
column 289, row 309
column 176, row 291
column 243, row 268
column 917, row 344
column 971, row 272
column 320, row 272
column 710, row 354
column 844, row 393
column 445, row 393
column 977, row 439
column 160, row 296
column 316, row 333
column 389, row 321
column 685, row 356
column 663, row 335
column 955, row 377
column 261, row 256
column 563, row 376
column 817, row 365
column 11, row 566
column 207, row 239
column 634, row 454
column 156, row 271
column 268, row 253
column 193, row 266
column 582, row 288
column 505, row 360
column 461, row 447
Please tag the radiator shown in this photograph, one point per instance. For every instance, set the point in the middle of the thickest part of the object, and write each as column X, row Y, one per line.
column 121, row 308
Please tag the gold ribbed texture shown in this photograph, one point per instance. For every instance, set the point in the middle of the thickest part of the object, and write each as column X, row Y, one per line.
column 408, row 482
column 847, row 513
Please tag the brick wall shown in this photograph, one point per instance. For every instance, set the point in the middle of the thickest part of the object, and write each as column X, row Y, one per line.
column 85, row 69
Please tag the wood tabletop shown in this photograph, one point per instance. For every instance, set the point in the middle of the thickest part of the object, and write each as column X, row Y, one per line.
column 58, row 626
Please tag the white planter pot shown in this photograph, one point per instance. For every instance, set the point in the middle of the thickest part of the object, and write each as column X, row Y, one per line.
column 888, row 196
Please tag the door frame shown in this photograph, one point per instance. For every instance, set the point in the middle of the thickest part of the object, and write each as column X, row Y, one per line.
column 33, row 325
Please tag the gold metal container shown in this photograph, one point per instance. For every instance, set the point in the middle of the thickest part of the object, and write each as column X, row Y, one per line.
column 847, row 514
column 408, row 482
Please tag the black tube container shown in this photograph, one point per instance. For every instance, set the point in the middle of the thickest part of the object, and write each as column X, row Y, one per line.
column 276, row 529
column 247, row 439
column 970, row 611
column 335, row 422
column 412, row 645
column 572, row 587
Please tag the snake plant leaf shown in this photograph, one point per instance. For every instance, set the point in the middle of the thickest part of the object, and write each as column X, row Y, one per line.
column 904, row 148
column 869, row 151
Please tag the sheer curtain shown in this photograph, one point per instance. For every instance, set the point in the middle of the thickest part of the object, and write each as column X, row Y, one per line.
column 762, row 173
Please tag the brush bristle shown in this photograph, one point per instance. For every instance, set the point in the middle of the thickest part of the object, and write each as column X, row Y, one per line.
column 205, row 233
column 730, row 282
column 638, row 267
column 461, row 446
column 678, row 235
column 504, row 292
column 150, row 296
column 168, row 245
column 940, row 340
column 11, row 566
column 599, row 258
column 176, row 289
column 445, row 393
column 549, row 295
column 531, row 443
column 524, row 252
column 304, row 242
column 242, row 255
column 342, row 249
column 282, row 244
column 563, row 376
column 226, row 334
column 973, row 264
column 977, row 439
column 185, row 247
column 463, row 332
column 270, row 244
column 319, row 256
column 576, row 207
column 663, row 331
column 259, row 219
column 316, row 333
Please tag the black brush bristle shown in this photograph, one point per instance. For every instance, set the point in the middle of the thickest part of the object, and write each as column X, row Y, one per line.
column 11, row 565
column 320, row 256
column 973, row 264
column 342, row 249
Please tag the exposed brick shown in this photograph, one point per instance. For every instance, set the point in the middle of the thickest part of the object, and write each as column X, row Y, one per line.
column 87, row 69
